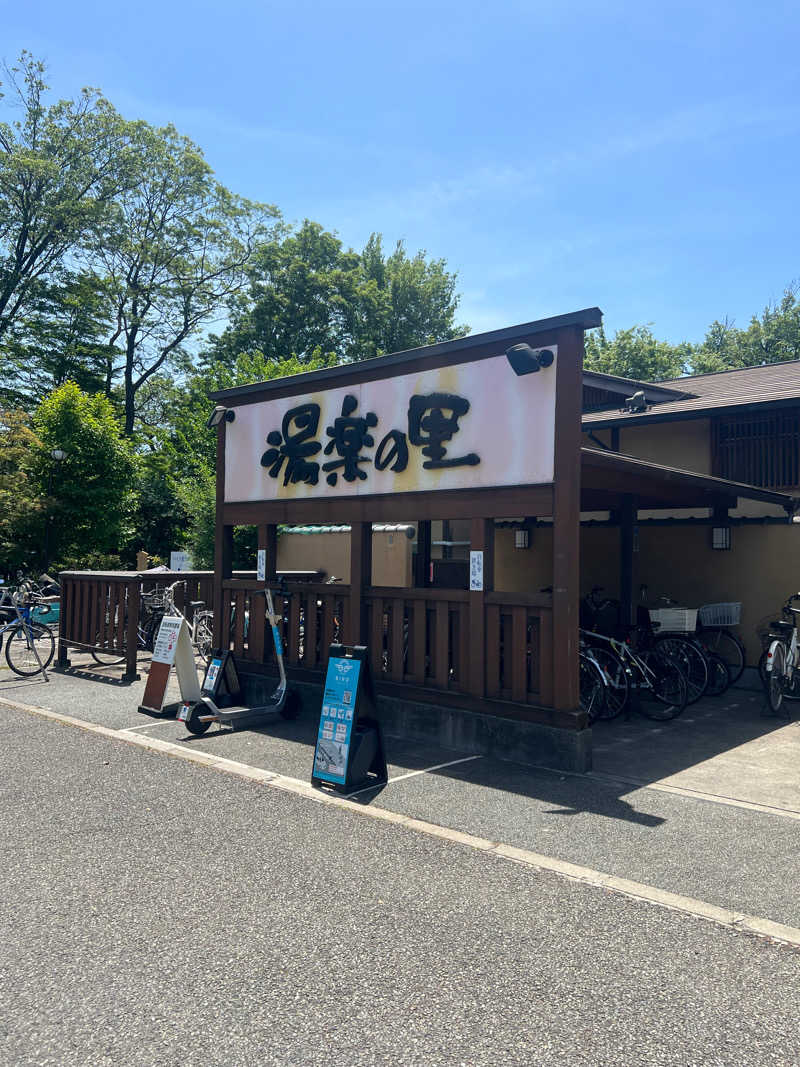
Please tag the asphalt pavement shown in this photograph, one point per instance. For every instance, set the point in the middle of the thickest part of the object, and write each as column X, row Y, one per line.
column 158, row 912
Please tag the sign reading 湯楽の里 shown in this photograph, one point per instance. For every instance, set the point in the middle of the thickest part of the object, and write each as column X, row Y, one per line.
column 470, row 426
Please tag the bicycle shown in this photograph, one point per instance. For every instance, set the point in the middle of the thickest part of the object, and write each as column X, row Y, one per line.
column 30, row 645
column 660, row 684
column 780, row 663
column 159, row 603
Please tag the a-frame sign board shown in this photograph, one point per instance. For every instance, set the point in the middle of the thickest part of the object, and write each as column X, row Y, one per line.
column 173, row 646
column 349, row 753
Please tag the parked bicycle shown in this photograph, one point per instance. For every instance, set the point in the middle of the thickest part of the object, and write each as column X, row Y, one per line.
column 658, row 681
column 158, row 603
column 30, row 645
column 779, row 665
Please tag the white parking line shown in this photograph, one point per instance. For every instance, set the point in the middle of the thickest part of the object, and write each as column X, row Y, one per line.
column 699, row 909
column 412, row 774
column 146, row 726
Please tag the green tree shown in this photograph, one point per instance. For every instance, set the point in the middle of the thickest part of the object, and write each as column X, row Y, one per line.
column 636, row 353
column 61, row 165
column 306, row 294
column 772, row 337
column 92, row 491
column 21, row 503
column 60, row 337
column 172, row 251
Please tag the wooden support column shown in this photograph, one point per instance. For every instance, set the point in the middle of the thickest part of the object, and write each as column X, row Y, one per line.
column 268, row 539
column 481, row 539
column 567, row 520
column 423, row 560
column 223, row 544
column 132, row 635
column 627, row 524
column 360, row 579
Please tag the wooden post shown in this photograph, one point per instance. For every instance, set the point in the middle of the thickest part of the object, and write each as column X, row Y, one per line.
column 423, row 562
column 567, row 520
column 268, row 539
column 481, row 539
column 223, row 546
column 132, row 636
column 627, row 523
column 360, row 579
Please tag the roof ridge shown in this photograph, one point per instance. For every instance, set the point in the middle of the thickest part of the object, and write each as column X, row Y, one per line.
column 730, row 370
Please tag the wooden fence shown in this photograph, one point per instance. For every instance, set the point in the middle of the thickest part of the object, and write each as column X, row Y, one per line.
column 416, row 637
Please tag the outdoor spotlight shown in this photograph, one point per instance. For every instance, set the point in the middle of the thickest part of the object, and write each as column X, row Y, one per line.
column 527, row 360
column 58, row 454
column 218, row 414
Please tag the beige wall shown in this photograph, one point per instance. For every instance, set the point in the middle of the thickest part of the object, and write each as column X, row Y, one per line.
column 391, row 556
column 523, row 570
column 685, row 444
column 761, row 570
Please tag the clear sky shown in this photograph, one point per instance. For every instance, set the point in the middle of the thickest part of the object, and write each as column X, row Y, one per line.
column 641, row 157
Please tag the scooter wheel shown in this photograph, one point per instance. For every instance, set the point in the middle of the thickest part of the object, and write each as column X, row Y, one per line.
column 193, row 724
column 291, row 706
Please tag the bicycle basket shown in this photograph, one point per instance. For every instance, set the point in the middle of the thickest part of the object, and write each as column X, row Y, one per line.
column 720, row 614
column 675, row 620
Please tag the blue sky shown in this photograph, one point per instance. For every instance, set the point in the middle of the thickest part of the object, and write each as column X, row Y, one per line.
column 639, row 157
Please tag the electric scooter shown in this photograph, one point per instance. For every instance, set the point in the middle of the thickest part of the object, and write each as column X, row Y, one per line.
column 284, row 702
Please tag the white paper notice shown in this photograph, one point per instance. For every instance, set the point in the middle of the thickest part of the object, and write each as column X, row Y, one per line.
column 262, row 564
column 167, row 640
column 476, row 572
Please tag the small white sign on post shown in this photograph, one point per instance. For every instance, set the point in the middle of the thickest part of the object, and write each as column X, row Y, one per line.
column 180, row 561
column 476, row 572
column 262, row 564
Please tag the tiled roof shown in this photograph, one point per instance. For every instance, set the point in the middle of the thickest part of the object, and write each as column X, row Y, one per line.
column 725, row 389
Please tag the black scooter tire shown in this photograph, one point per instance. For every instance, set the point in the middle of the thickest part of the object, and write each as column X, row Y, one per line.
column 193, row 724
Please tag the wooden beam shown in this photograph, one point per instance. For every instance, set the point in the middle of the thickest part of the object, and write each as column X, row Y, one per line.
column 627, row 524
column 481, row 539
column 360, row 579
column 566, row 522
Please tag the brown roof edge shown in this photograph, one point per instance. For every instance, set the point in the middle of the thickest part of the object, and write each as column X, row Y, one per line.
column 618, row 461
column 587, row 319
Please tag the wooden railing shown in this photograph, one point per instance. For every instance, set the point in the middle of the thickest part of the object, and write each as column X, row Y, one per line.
column 313, row 616
column 103, row 610
column 416, row 637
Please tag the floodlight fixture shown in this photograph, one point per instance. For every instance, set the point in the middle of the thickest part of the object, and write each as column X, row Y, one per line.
column 527, row 360
column 218, row 414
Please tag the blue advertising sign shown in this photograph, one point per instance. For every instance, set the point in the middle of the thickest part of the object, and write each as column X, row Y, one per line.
column 336, row 721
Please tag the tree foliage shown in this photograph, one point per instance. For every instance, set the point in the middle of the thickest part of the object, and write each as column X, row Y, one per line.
column 61, row 166
column 307, row 294
column 636, row 353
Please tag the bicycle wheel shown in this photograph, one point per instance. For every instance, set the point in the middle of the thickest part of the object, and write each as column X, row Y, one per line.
column 719, row 677
column 775, row 678
column 691, row 660
column 592, row 688
column 729, row 646
column 663, row 692
column 25, row 640
column 204, row 634
column 105, row 657
column 617, row 679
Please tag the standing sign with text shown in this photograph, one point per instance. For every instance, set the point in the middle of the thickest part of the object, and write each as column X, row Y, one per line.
column 349, row 750
column 172, row 647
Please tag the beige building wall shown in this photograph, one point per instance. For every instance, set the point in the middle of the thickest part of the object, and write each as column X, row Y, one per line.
column 391, row 555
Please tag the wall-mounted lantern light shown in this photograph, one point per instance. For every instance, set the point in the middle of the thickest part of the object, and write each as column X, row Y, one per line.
column 218, row 414
column 721, row 537
column 521, row 539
